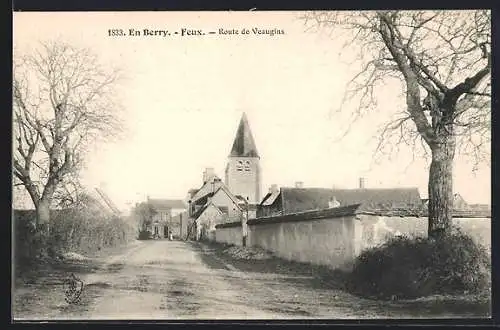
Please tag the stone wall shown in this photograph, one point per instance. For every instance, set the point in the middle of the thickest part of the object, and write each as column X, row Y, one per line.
column 327, row 241
column 323, row 237
column 229, row 233
column 374, row 230
column 335, row 237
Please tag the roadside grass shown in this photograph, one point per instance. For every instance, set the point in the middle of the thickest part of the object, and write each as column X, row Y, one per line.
column 39, row 293
column 241, row 259
column 335, row 282
column 38, row 290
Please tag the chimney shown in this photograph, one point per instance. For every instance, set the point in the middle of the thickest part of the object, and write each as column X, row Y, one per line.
column 333, row 202
column 273, row 188
column 208, row 174
column 299, row 184
column 361, row 183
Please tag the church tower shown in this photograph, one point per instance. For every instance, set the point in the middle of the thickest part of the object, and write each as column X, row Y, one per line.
column 243, row 166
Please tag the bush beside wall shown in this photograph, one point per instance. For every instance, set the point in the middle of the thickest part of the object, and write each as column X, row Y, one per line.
column 408, row 268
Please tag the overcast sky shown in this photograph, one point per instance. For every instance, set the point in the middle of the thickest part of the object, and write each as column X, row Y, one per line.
column 183, row 98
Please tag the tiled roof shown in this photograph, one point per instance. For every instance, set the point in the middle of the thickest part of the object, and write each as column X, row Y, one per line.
column 244, row 145
column 303, row 199
column 165, row 204
column 386, row 199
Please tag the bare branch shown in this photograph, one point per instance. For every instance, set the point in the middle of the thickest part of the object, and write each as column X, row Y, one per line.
column 66, row 104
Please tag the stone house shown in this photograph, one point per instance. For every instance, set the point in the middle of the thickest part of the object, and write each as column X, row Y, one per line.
column 236, row 197
column 207, row 218
column 164, row 217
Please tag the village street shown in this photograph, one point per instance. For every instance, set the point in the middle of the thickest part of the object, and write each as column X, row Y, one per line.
column 179, row 280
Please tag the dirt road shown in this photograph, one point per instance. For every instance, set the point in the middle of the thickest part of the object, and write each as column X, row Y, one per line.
column 178, row 280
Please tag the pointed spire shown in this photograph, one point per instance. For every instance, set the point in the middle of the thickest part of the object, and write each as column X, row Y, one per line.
column 244, row 145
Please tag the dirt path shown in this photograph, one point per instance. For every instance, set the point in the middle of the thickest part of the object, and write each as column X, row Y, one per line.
column 167, row 280
column 178, row 280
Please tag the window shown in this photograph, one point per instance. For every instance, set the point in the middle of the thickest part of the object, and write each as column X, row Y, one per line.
column 247, row 165
column 239, row 165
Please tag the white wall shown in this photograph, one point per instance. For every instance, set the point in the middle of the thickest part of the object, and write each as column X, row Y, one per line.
column 375, row 230
column 232, row 235
column 327, row 241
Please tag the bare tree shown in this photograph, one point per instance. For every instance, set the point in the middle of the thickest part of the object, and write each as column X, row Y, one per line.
column 63, row 102
column 143, row 214
column 442, row 61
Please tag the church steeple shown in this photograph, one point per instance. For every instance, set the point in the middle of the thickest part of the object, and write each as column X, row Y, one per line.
column 243, row 167
column 244, row 145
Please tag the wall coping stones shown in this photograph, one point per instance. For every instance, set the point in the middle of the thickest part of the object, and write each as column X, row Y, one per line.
column 337, row 212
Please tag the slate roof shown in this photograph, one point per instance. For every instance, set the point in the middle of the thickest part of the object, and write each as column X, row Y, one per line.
column 304, row 199
column 244, row 144
column 165, row 204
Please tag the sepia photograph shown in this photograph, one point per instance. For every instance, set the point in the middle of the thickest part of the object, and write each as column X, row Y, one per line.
column 251, row 165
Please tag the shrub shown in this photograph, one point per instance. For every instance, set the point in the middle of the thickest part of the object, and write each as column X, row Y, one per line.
column 408, row 268
column 144, row 234
column 71, row 230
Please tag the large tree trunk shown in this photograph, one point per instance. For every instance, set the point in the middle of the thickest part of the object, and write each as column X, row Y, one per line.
column 41, row 238
column 440, row 189
column 43, row 215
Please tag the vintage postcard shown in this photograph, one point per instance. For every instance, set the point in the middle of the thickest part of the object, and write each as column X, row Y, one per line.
column 270, row 165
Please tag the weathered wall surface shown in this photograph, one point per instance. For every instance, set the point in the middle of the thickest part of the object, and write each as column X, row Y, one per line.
column 327, row 241
column 229, row 235
column 334, row 237
column 375, row 230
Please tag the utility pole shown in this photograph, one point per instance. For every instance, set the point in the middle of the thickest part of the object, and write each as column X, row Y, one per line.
column 244, row 228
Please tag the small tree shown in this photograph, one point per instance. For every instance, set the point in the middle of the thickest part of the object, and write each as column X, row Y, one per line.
column 144, row 213
column 442, row 60
column 62, row 103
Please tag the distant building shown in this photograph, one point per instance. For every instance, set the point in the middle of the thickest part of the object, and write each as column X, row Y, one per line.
column 238, row 196
column 165, row 218
column 212, row 194
column 243, row 172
